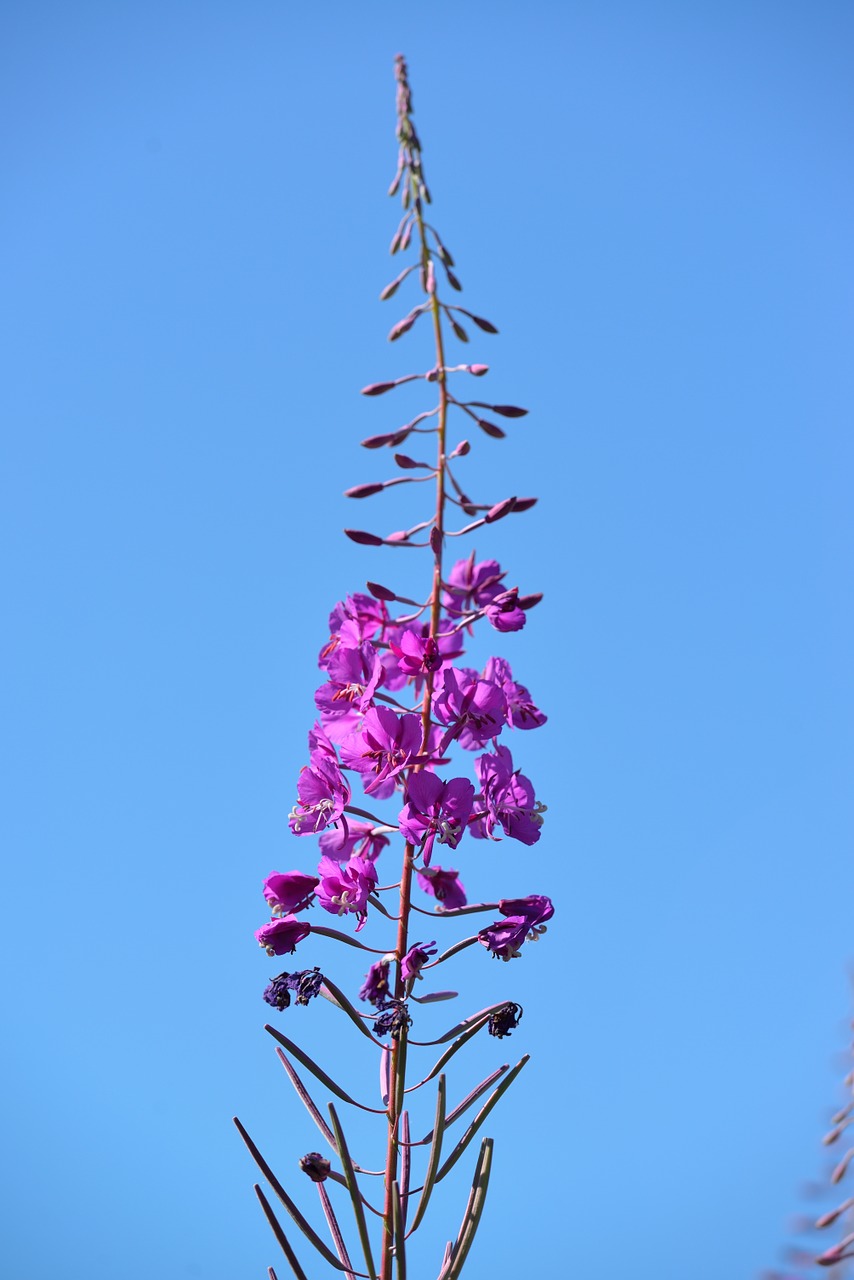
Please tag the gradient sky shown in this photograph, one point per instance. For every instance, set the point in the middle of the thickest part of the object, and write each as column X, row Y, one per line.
column 654, row 204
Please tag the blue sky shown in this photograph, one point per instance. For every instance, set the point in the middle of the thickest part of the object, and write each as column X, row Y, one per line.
column 653, row 203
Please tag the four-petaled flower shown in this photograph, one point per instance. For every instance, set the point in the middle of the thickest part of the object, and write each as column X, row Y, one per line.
column 435, row 810
column 323, row 792
column 346, row 889
column 506, row 799
column 445, row 886
column 385, row 746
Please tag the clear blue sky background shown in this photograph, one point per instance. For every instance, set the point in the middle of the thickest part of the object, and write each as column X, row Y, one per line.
column 654, row 203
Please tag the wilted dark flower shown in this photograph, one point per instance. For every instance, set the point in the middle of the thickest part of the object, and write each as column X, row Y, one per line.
column 505, row 1020
column 277, row 992
column 305, row 984
column 394, row 1019
column 315, row 1165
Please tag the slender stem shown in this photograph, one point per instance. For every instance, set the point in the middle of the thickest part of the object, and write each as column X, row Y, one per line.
column 398, row 1055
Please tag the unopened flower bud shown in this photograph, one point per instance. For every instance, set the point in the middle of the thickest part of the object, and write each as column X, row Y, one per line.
column 379, row 592
column 491, row 429
column 478, row 369
column 363, row 490
column 486, row 325
column 508, row 410
column 316, row 1166
column 500, row 510
column 377, row 388
column 364, row 539
column 435, row 540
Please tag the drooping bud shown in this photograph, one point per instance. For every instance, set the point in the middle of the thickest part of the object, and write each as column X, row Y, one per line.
column 458, row 329
column 525, row 504
column 452, row 279
column 491, row 429
column 478, row 370
column 486, row 325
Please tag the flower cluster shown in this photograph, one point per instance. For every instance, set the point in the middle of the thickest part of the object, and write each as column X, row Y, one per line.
column 411, row 747
column 367, row 735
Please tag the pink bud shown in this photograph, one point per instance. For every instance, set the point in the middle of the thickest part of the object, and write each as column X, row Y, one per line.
column 431, row 278
column 461, row 450
column 363, row 490
column 403, row 326
column 364, row 539
column 376, row 442
column 525, row 504
column 478, row 369
column 500, row 510
column 406, row 462
column 377, row 388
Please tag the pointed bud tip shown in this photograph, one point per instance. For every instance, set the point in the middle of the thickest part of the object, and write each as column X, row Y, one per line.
column 363, row 539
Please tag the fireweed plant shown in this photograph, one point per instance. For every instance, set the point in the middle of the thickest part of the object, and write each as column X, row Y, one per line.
column 396, row 712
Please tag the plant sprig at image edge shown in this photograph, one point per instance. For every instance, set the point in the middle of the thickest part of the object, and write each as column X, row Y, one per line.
column 398, row 713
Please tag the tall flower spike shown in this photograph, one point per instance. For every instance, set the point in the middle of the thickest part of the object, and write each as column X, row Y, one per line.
column 396, row 708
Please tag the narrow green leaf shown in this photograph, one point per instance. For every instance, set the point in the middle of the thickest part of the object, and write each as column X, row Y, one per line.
column 473, row 1213
column 338, row 1238
column 434, row 1157
column 318, row 1072
column 463, row 1106
column 307, row 1230
column 345, row 937
column 480, row 1117
column 280, row 1236
column 306, row 1099
column 341, row 1001
column 353, row 1188
column 405, row 1164
column 473, row 1021
column 398, row 1230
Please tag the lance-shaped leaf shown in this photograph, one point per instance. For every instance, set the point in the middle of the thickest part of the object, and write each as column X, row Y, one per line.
column 433, row 1159
column 318, row 1072
column 385, row 1074
column 446, row 1056
column 280, row 1236
column 306, row 1099
column 353, row 1188
column 335, row 1230
column 405, row 1164
column 344, row 937
column 398, row 1231
column 473, row 1022
column 305, row 1227
column 340, row 1000
column 467, row 1102
column 473, row 1213
column 480, row 1117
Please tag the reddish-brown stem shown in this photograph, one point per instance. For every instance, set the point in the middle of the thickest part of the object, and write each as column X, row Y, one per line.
column 398, row 1055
